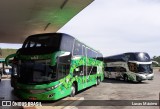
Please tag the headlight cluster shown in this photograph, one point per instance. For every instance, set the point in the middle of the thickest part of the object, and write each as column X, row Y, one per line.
column 44, row 90
column 53, row 87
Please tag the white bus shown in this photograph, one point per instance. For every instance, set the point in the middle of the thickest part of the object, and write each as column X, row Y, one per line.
column 133, row 66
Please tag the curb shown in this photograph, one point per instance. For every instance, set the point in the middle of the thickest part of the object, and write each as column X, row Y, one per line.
column 6, row 76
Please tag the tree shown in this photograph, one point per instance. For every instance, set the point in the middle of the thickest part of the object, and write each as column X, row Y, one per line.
column 157, row 59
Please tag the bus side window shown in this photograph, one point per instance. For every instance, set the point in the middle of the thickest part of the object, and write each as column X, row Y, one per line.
column 78, row 71
column 63, row 70
column 122, row 69
column 66, row 43
column 90, row 70
column 77, row 48
column 94, row 70
column 132, row 67
column 111, row 69
column 94, row 55
column 63, row 65
column 90, row 53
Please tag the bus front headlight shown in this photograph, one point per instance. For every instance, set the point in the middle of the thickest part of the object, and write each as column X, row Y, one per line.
column 53, row 87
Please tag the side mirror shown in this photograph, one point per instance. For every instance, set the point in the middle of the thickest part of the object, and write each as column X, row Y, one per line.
column 155, row 62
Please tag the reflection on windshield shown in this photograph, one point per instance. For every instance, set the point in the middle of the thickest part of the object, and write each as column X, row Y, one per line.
column 43, row 40
column 143, row 57
column 144, row 68
column 36, row 72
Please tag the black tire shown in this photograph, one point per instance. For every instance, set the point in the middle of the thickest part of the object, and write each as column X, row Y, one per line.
column 139, row 81
column 125, row 77
column 12, row 82
column 73, row 90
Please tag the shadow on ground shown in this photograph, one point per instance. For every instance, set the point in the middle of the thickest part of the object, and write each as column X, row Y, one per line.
column 116, row 81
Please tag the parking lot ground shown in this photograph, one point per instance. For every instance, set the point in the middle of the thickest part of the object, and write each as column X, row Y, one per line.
column 6, row 76
column 109, row 89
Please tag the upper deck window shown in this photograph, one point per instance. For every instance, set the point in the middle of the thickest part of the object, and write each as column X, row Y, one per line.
column 47, row 43
column 143, row 57
column 139, row 56
column 78, row 48
column 45, row 40
column 66, row 43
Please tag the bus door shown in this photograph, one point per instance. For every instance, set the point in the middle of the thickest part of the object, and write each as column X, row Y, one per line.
column 84, row 52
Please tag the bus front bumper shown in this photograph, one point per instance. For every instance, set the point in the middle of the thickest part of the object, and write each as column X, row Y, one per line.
column 48, row 95
column 141, row 77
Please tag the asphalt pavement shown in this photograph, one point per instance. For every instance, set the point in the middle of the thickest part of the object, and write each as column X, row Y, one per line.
column 109, row 89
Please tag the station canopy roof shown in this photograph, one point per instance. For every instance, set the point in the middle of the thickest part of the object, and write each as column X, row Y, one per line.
column 21, row 18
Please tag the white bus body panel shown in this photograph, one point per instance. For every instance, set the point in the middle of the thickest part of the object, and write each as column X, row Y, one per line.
column 134, row 76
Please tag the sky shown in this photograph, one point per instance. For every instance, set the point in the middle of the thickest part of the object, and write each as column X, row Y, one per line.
column 117, row 26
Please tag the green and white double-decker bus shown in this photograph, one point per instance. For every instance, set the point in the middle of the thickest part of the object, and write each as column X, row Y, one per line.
column 133, row 66
column 51, row 66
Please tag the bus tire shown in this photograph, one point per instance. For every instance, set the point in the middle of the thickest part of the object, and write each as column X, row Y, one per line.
column 73, row 90
column 125, row 77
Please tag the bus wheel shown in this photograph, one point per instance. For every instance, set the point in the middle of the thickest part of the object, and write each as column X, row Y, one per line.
column 73, row 90
column 125, row 78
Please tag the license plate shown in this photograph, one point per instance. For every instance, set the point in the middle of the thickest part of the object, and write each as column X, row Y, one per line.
column 32, row 98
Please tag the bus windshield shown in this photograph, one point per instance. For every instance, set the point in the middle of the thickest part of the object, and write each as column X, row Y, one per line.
column 38, row 71
column 47, row 43
column 43, row 41
column 139, row 56
column 144, row 68
column 143, row 57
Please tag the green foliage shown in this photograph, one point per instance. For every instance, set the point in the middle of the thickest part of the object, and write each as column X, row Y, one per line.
column 157, row 59
column 5, row 52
